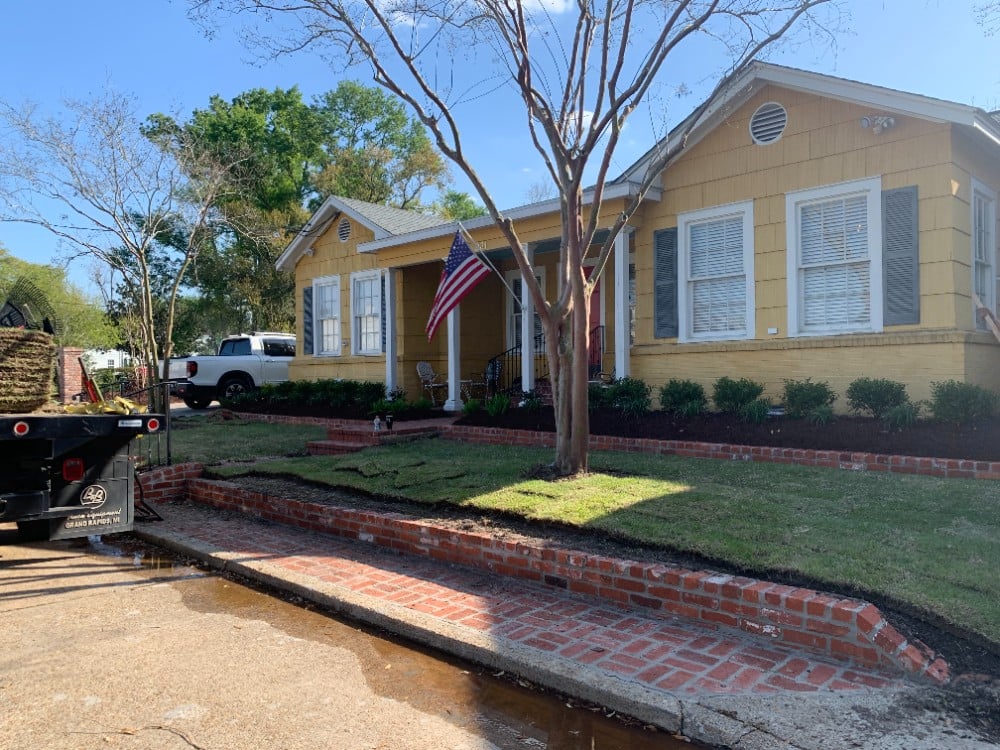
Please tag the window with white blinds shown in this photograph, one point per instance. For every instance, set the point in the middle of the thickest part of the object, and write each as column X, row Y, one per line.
column 984, row 220
column 366, row 310
column 716, row 258
column 326, row 306
column 835, row 259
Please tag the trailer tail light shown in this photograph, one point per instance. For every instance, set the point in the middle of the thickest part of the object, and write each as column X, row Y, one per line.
column 21, row 429
column 73, row 469
column 192, row 368
column 153, row 424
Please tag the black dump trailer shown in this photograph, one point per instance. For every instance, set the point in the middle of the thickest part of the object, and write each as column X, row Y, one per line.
column 72, row 475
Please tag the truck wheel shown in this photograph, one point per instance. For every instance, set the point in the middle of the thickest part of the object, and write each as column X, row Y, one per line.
column 233, row 387
column 33, row 531
column 197, row 402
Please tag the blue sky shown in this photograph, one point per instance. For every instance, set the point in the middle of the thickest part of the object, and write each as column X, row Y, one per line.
column 69, row 48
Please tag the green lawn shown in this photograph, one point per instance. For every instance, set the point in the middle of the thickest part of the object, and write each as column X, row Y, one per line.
column 929, row 542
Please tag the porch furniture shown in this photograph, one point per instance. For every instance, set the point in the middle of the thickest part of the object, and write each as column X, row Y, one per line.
column 430, row 381
column 487, row 383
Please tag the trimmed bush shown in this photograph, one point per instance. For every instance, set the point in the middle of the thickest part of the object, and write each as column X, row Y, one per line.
column 732, row 395
column 803, row 397
column 471, row 406
column 683, row 397
column 598, row 396
column 876, row 396
column 958, row 402
column 631, row 396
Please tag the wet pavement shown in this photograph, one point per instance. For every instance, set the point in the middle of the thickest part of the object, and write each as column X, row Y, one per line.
column 727, row 689
column 112, row 643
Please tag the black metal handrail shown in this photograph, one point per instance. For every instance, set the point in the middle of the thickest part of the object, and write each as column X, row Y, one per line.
column 503, row 372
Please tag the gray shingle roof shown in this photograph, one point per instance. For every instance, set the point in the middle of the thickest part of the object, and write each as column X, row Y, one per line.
column 392, row 220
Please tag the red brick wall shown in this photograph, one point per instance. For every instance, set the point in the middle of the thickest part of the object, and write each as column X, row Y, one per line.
column 70, row 373
column 848, row 629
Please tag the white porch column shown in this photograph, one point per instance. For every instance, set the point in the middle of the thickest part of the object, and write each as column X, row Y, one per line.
column 391, row 349
column 527, row 330
column 622, row 369
column 454, row 402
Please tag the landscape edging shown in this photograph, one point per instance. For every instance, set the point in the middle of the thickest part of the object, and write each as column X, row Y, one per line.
column 847, row 629
column 952, row 468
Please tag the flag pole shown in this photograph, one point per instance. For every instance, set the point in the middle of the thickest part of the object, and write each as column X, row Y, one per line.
column 485, row 258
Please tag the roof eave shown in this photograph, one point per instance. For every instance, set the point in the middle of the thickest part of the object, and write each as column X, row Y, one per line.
column 612, row 191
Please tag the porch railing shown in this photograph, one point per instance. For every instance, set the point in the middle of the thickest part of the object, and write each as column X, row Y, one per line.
column 503, row 372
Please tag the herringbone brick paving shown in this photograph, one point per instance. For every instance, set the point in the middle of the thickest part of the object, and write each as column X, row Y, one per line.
column 673, row 655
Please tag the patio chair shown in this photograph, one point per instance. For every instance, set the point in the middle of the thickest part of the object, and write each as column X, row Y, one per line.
column 430, row 381
column 488, row 381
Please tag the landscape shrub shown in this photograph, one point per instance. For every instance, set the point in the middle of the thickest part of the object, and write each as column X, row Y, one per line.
column 683, row 397
column 902, row 416
column 498, row 405
column 732, row 395
column 819, row 415
column 958, row 402
column 631, row 396
column 876, row 396
column 756, row 411
column 803, row 397
column 471, row 406
column 530, row 402
column 598, row 396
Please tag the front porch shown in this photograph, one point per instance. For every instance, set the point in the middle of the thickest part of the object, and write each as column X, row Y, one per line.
column 480, row 352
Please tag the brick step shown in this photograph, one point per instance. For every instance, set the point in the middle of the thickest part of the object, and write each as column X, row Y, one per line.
column 348, row 439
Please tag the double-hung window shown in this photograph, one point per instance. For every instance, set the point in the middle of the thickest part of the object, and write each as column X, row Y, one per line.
column 716, row 293
column 984, row 222
column 366, row 312
column 834, row 244
column 326, row 305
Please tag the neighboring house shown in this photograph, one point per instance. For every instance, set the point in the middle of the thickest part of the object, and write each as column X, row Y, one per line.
column 111, row 359
column 814, row 227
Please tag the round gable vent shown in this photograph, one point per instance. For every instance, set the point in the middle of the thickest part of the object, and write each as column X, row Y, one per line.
column 768, row 123
column 344, row 229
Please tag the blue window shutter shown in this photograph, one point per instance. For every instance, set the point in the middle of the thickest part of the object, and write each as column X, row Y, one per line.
column 307, row 321
column 381, row 319
column 665, row 283
column 900, row 256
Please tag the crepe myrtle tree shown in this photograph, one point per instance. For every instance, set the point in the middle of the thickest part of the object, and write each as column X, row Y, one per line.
column 578, row 69
column 139, row 206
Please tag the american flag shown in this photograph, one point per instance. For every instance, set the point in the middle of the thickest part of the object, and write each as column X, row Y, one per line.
column 462, row 272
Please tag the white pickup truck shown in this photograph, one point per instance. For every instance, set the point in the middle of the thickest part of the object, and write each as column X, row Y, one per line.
column 244, row 362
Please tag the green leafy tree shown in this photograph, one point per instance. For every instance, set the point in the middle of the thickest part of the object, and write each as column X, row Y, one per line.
column 353, row 141
column 457, row 206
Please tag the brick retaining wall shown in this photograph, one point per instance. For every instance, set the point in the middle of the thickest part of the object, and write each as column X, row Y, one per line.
column 848, row 629
column 938, row 467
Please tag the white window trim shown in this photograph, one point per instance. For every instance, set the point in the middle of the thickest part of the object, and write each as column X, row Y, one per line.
column 355, row 332
column 872, row 188
column 317, row 328
column 983, row 190
column 684, row 222
column 511, row 277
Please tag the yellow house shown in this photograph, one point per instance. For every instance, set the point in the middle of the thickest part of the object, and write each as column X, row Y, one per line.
column 813, row 227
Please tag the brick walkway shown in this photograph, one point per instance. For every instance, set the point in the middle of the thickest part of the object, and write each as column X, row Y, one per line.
column 668, row 655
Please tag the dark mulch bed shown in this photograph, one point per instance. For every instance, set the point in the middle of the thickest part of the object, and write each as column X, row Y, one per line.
column 979, row 441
